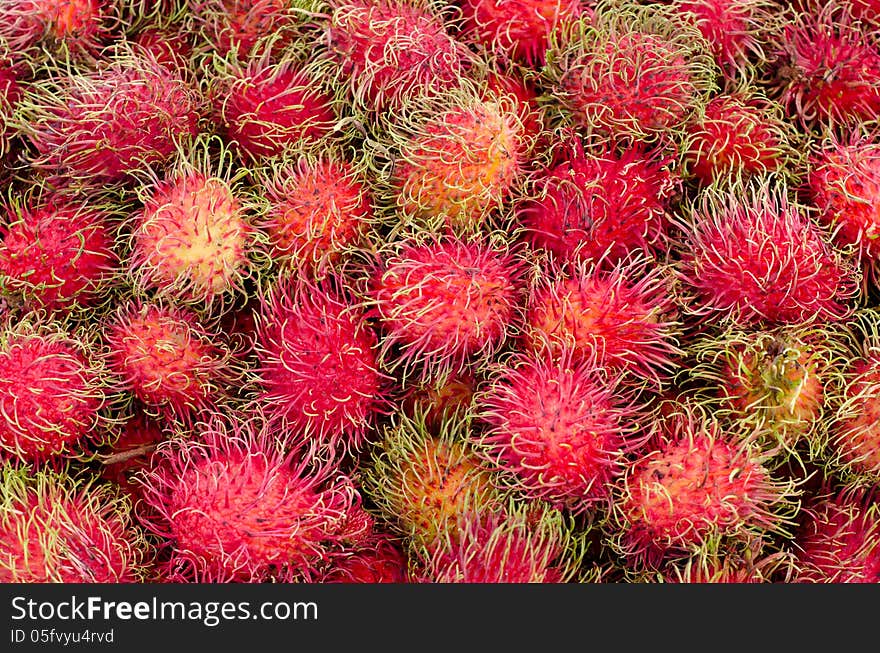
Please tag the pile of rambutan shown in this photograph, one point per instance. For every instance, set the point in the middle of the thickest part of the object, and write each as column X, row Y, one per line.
column 440, row 291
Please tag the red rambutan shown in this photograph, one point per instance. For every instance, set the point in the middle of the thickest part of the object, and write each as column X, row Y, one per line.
column 65, row 26
column 382, row 558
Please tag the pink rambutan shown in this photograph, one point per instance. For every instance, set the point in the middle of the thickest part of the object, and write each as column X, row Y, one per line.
column 737, row 134
column 57, row 528
column 192, row 239
column 843, row 181
column 632, row 71
column 390, row 51
column 750, row 256
column 167, row 359
column 233, row 504
column 445, row 304
column 839, row 538
column 51, row 390
column 697, row 484
column 318, row 369
column 600, row 204
column 318, row 207
column 270, row 102
column 505, row 80
column 102, row 125
column 827, row 67
column 561, row 429
column 169, row 43
column 10, row 94
column 520, row 29
column 382, row 558
column 65, row 26
column 57, row 253
column 623, row 317
column 130, row 453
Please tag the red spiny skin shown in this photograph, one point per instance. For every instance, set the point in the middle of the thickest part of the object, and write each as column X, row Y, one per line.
column 624, row 317
column 166, row 358
column 318, row 365
column 10, row 94
column 192, row 238
column 447, row 303
column 50, row 395
column 59, row 255
column 171, row 46
column 560, row 428
column 592, row 205
column 754, row 257
column 380, row 559
column 696, row 484
column 844, row 183
column 238, row 25
column 494, row 547
column 317, row 209
column 868, row 11
column 733, row 29
column 77, row 26
column 55, row 529
column 267, row 108
column 532, row 120
column 856, row 431
column 839, row 539
column 389, row 50
column 434, row 402
column 102, row 125
column 520, row 28
column 131, row 453
column 233, row 505
column 736, row 135
column 828, row 68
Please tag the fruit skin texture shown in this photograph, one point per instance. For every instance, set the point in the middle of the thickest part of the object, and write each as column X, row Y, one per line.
column 389, row 52
column 380, row 559
column 632, row 72
column 51, row 391
column 462, row 164
column 448, row 303
column 101, row 126
column 57, row 253
column 856, row 429
column 697, row 484
column 75, row 26
column 596, row 204
column 751, row 256
column 55, row 528
column 844, row 183
column 623, row 317
column 233, row 504
column 561, row 429
column 192, row 238
column 318, row 371
column 839, row 538
column 167, row 359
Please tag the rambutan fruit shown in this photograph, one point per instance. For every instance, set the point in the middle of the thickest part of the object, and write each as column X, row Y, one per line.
column 381, row 559
column 631, row 71
column 737, row 134
column 838, row 540
column 561, row 429
column 826, row 67
column 101, row 125
column 59, row 528
column 751, row 256
column 318, row 207
column 746, row 562
column 456, row 160
column 232, row 503
column 420, row 480
column 75, row 27
column 130, row 452
column 52, row 390
column 388, row 52
column 270, row 101
column 595, row 204
column 519, row 86
column 436, row 401
column 623, row 316
column 317, row 370
column 10, row 94
column 167, row 359
column 699, row 483
column 168, row 42
column 735, row 29
column 778, row 381
column 57, row 253
column 444, row 304
column 843, row 182
column 855, row 427
column 524, row 543
column 520, row 29
column 192, row 240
